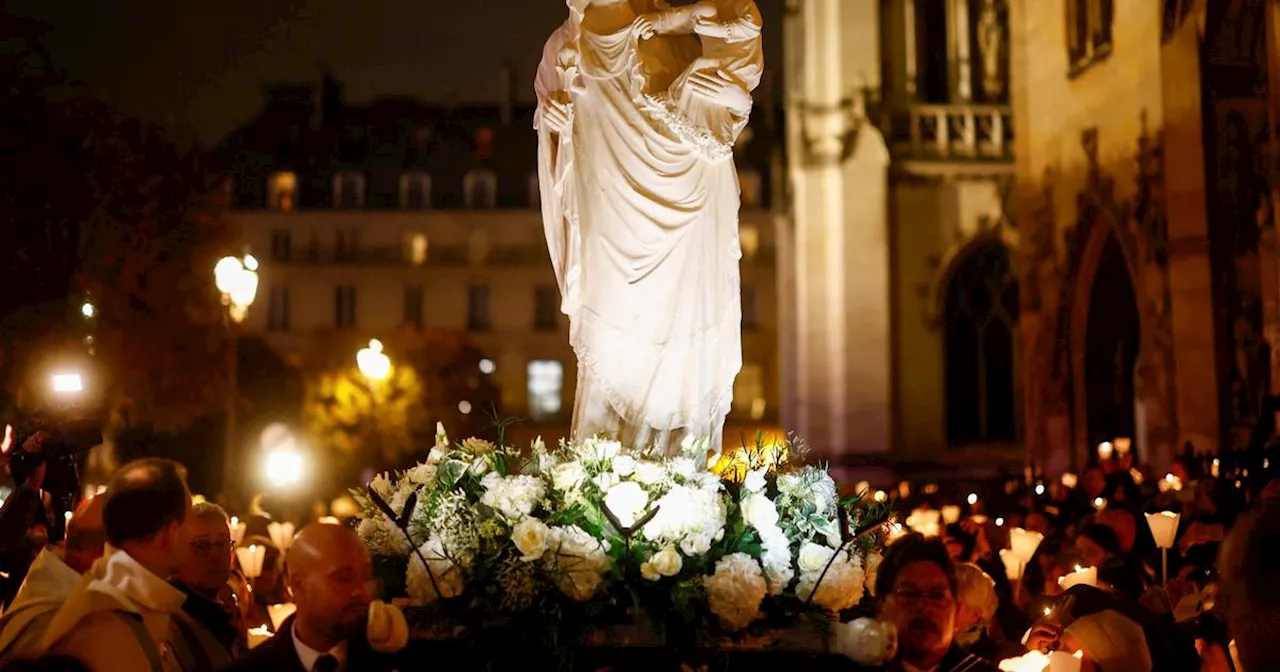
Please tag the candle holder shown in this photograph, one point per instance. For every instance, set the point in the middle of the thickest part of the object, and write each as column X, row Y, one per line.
column 251, row 558
column 1083, row 575
column 950, row 514
column 281, row 535
column 1164, row 529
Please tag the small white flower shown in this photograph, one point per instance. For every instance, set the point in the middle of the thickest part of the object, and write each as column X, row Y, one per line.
column 436, row 456
column 538, row 445
column 683, row 467
column 754, row 482
column 577, row 561
column 514, row 497
column 568, row 476
column 479, row 466
column 532, row 537
column 490, row 480
column 624, row 465
column 605, row 480
column 650, row 473
column 666, row 562
column 814, row 557
column 423, row 474
column 627, row 501
column 759, row 512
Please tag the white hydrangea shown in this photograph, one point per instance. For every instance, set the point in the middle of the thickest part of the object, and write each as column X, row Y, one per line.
column 649, row 472
column 871, row 567
column 759, row 512
column 514, row 497
column 692, row 518
column 577, row 561
column 735, row 591
column 445, row 580
column 839, row 588
column 568, row 476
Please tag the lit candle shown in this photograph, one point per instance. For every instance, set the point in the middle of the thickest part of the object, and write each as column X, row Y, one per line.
column 1214, row 468
column 1136, row 475
column 1069, row 480
column 950, row 514
column 1083, row 575
column 280, row 612
column 1164, row 528
column 1099, row 503
column 880, row 496
column 251, row 558
column 1012, row 564
column 258, row 635
column 1023, row 543
column 904, row 489
column 281, row 535
column 1061, row 661
column 973, row 498
column 1105, row 449
column 1031, row 661
column 1122, row 446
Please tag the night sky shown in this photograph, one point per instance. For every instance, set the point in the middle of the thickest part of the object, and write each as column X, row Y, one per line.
column 199, row 66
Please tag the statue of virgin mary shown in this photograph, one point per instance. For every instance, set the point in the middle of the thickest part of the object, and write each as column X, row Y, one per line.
column 640, row 201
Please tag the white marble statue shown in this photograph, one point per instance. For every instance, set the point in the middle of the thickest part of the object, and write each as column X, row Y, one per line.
column 639, row 105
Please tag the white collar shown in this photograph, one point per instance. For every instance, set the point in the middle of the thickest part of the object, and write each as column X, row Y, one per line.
column 308, row 656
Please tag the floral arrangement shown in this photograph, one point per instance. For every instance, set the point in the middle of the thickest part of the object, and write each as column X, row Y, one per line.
column 590, row 533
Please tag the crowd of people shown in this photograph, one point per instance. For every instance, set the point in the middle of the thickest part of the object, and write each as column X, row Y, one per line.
column 1099, row 587
column 144, row 577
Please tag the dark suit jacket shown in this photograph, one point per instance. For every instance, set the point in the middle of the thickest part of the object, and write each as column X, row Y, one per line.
column 279, row 655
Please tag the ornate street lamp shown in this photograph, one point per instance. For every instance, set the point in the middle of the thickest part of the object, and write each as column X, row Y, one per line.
column 237, row 279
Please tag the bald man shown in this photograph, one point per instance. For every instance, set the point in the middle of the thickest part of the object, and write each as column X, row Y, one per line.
column 1249, row 591
column 52, row 578
column 330, row 574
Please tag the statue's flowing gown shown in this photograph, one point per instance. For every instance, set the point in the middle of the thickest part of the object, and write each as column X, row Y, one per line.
column 643, row 231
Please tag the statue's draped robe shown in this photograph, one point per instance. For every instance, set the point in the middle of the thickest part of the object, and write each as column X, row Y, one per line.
column 642, row 228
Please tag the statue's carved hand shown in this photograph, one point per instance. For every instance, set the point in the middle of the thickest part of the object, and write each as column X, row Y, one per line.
column 644, row 26
column 721, row 89
column 555, row 116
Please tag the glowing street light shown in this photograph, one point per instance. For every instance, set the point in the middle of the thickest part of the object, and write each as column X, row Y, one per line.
column 65, row 384
column 237, row 279
column 284, row 467
column 373, row 363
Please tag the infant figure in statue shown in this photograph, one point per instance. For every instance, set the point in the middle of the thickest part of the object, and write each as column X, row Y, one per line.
column 732, row 53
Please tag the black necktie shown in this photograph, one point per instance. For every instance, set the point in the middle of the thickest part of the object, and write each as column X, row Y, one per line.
column 325, row 663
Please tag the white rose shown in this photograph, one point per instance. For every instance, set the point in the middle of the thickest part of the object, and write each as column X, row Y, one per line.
column 683, row 467
column 814, row 557
column 627, row 502
column 624, row 465
column 480, row 466
column 666, row 562
column 532, row 537
column 490, row 480
column 605, row 450
column 568, row 476
column 754, row 482
column 649, row 472
column 759, row 512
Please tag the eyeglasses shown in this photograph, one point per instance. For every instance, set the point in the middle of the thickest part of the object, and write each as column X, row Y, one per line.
column 203, row 547
column 936, row 598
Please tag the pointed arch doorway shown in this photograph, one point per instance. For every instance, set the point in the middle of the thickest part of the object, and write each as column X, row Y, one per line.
column 1106, row 336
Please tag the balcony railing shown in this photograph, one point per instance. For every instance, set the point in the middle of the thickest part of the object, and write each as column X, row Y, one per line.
column 449, row 256
column 954, row 133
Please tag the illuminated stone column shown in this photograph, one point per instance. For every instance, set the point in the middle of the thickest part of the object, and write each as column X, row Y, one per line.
column 838, row 353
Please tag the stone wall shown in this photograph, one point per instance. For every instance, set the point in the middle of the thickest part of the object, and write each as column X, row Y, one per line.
column 1091, row 173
